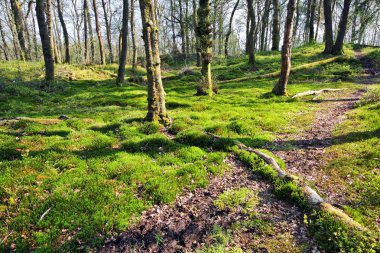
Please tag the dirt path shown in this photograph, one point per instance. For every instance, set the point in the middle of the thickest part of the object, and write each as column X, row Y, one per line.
column 187, row 225
column 305, row 153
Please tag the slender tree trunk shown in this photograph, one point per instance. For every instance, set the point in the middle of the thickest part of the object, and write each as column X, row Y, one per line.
column 124, row 43
column 264, row 24
column 34, row 37
column 295, row 41
column 108, row 30
column 49, row 21
column 247, row 30
column 85, row 12
column 90, row 30
column 65, row 33
column 45, row 40
column 280, row 87
column 329, row 36
column 156, row 94
column 186, row 26
column 251, row 51
column 338, row 47
column 229, row 31
column 97, row 26
column 133, row 34
column 204, row 32
column 197, row 40
column 312, row 20
column 18, row 18
column 5, row 45
column 319, row 20
column 276, row 26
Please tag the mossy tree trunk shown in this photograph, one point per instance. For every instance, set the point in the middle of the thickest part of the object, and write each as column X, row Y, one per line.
column 197, row 42
column 338, row 47
column 5, row 45
column 280, row 87
column 329, row 36
column 156, row 94
column 98, row 32
column 133, row 35
column 276, row 26
column 45, row 40
column 65, row 33
column 124, row 43
column 18, row 18
column 204, row 32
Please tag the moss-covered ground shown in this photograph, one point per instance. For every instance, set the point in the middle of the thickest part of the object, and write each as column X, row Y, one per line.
column 69, row 184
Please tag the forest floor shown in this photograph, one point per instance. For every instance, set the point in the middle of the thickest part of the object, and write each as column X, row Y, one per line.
column 70, row 184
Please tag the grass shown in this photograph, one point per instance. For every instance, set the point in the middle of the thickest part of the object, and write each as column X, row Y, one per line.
column 97, row 171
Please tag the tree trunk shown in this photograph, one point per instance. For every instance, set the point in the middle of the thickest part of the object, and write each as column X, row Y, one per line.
column 276, row 26
column 108, row 31
column 229, row 31
column 156, row 94
column 252, row 29
column 311, row 21
column 5, row 45
column 204, row 32
column 45, row 40
column 124, row 43
column 286, row 54
column 329, row 36
column 97, row 26
column 296, row 23
column 133, row 34
column 197, row 42
column 264, row 24
column 319, row 19
column 35, row 37
column 182, row 26
column 18, row 18
column 338, row 47
column 85, row 12
column 65, row 33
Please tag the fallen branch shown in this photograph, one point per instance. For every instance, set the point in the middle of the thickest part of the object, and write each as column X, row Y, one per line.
column 315, row 201
column 44, row 214
column 315, row 92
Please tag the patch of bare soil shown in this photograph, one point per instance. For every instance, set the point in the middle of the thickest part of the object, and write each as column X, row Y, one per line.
column 186, row 225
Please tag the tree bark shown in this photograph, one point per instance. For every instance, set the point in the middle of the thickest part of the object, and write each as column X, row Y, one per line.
column 252, row 29
column 276, row 26
column 133, row 34
column 312, row 20
column 280, row 87
column 18, row 18
column 108, row 31
column 5, row 45
column 45, row 40
column 65, row 33
column 124, row 43
column 197, row 41
column 156, row 94
column 338, row 47
column 264, row 24
column 329, row 36
column 97, row 26
column 85, row 12
column 229, row 31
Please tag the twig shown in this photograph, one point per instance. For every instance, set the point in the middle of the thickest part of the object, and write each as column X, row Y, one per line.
column 44, row 214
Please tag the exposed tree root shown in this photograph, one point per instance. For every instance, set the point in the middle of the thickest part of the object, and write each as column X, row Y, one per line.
column 315, row 92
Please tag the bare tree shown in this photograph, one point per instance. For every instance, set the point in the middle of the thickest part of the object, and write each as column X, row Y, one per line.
column 124, row 43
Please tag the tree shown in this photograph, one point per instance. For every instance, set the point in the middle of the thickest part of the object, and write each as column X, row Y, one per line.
column 251, row 38
column 228, row 34
column 276, row 26
column 204, row 32
column 108, row 31
column 197, row 42
column 98, row 32
column 329, row 35
column 338, row 46
column 156, row 94
column 124, row 43
column 5, row 45
column 280, row 87
column 19, row 23
column 65, row 33
column 45, row 40
column 133, row 35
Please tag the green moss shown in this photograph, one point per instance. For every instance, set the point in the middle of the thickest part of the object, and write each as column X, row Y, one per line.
column 232, row 200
